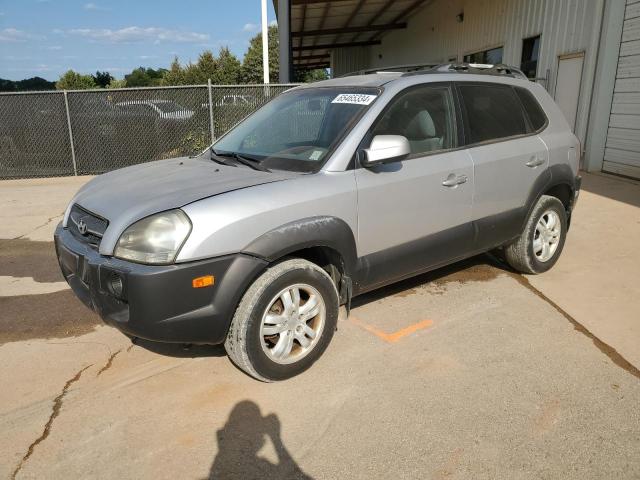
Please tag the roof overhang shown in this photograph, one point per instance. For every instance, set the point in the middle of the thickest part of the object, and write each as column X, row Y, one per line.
column 319, row 26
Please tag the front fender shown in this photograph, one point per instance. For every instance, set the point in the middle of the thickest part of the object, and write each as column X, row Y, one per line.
column 321, row 231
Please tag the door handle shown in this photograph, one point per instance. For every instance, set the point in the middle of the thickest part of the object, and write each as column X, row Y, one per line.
column 454, row 180
column 535, row 162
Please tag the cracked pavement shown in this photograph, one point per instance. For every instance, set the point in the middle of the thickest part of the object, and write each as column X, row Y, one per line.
column 468, row 372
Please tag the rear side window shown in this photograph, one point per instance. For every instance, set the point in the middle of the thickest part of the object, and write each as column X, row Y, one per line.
column 537, row 118
column 493, row 112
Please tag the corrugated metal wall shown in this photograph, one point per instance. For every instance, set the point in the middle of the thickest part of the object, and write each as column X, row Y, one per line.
column 348, row 60
column 622, row 152
column 434, row 35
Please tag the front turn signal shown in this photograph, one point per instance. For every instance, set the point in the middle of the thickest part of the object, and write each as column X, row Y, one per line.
column 201, row 282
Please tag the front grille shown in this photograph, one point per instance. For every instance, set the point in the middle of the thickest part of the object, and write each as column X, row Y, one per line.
column 86, row 226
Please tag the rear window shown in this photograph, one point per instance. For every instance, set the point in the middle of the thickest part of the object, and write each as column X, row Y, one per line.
column 493, row 112
column 537, row 118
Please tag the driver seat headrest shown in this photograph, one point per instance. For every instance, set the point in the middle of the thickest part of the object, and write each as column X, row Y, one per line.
column 421, row 126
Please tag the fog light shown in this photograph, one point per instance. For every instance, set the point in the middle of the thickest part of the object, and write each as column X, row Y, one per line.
column 116, row 285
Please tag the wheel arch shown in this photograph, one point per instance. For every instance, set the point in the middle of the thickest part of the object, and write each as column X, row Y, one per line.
column 326, row 241
column 557, row 181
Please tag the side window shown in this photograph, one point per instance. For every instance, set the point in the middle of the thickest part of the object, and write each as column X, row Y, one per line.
column 425, row 115
column 536, row 115
column 493, row 112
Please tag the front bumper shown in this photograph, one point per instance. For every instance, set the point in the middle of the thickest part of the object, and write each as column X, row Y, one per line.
column 157, row 303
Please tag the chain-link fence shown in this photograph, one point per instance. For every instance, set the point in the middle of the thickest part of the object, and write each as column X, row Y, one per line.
column 93, row 131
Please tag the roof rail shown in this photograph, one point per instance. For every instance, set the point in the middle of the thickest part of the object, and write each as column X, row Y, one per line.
column 393, row 69
column 475, row 68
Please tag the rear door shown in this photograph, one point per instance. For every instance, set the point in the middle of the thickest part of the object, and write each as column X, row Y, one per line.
column 412, row 215
column 508, row 158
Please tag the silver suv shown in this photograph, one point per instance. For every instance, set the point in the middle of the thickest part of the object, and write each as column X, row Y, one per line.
column 328, row 191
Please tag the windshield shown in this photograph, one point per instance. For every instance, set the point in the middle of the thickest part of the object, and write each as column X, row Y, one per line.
column 299, row 129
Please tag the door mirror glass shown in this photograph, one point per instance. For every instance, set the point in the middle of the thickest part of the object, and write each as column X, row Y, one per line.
column 385, row 149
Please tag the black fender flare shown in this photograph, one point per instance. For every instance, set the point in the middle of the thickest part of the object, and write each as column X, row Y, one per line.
column 559, row 174
column 320, row 231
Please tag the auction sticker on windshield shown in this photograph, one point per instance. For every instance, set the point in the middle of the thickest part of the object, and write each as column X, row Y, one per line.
column 354, row 98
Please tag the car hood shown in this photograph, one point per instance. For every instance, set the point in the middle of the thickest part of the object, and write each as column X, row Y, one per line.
column 129, row 194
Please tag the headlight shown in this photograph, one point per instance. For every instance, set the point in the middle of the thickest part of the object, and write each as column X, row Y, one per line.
column 155, row 239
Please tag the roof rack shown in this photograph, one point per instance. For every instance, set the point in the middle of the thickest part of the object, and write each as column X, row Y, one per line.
column 474, row 68
column 415, row 67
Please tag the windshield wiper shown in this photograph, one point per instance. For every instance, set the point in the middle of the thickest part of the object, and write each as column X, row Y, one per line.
column 246, row 161
column 218, row 159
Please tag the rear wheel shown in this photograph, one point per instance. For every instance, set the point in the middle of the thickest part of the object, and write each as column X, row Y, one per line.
column 541, row 242
column 284, row 322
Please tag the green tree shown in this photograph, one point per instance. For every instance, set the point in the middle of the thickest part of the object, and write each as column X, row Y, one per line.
column 252, row 62
column 115, row 83
column 308, row 76
column 228, row 68
column 102, row 79
column 33, row 83
column 74, row 81
column 145, row 77
column 225, row 69
column 175, row 74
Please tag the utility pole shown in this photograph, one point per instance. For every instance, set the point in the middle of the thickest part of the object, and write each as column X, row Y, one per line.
column 265, row 43
column 284, row 29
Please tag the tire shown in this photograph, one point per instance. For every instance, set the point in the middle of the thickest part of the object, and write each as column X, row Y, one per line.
column 261, row 355
column 521, row 255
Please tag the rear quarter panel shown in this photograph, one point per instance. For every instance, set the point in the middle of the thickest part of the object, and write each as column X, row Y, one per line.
column 563, row 145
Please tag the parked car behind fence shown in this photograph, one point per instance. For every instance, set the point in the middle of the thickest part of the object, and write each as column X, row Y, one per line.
column 58, row 133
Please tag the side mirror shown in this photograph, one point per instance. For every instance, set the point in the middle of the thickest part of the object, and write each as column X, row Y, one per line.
column 385, row 149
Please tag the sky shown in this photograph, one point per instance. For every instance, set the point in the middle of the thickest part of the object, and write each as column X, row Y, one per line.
column 45, row 38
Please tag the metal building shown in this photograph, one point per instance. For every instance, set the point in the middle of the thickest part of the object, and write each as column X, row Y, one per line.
column 585, row 52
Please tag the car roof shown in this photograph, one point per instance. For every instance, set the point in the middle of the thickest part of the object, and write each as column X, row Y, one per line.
column 447, row 72
column 369, row 80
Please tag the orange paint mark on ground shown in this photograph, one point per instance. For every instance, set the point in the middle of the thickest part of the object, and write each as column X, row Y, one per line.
column 395, row 336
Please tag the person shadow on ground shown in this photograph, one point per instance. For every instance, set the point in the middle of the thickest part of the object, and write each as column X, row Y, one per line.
column 239, row 442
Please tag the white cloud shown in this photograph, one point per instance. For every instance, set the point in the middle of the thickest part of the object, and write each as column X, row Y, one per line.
column 15, row 35
column 139, row 34
column 273, row 23
column 95, row 8
column 54, row 47
column 250, row 27
column 147, row 57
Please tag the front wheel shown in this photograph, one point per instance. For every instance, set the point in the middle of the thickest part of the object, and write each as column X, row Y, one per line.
column 284, row 321
column 541, row 242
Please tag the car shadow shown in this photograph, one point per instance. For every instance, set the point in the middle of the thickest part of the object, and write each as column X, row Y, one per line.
column 480, row 268
column 240, row 441
column 180, row 350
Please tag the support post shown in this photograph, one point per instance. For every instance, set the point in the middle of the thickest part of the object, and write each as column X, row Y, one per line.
column 73, row 150
column 284, row 29
column 211, row 122
column 265, row 43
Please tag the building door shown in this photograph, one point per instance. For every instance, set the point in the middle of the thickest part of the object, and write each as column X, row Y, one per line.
column 568, row 86
column 622, row 152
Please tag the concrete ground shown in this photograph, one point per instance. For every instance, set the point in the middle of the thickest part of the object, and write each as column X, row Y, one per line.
column 470, row 372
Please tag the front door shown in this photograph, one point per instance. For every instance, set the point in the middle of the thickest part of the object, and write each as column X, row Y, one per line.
column 415, row 214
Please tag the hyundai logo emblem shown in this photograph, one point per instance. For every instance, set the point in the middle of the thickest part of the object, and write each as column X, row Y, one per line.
column 82, row 227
